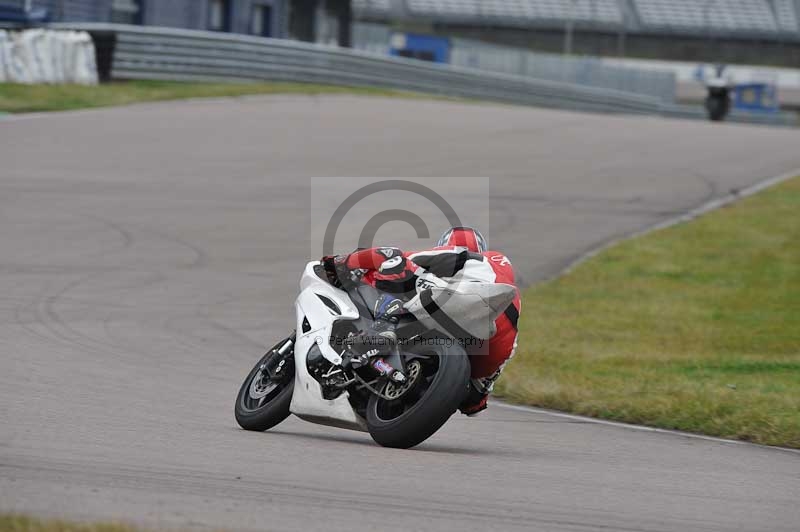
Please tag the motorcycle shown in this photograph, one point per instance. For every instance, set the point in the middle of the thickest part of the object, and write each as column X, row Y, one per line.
column 365, row 360
column 718, row 103
column 718, row 97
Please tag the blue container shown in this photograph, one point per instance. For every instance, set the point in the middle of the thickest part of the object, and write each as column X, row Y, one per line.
column 756, row 97
column 424, row 47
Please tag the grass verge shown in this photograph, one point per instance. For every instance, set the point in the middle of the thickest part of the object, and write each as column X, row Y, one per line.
column 15, row 98
column 695, row 327
column 21, row 523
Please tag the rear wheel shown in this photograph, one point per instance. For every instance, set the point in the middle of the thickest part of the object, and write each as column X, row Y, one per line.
column 438, row 381
column 264, row 398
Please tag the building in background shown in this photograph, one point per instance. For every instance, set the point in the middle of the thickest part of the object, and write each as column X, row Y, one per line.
column 321, row 21
column 267, row 18
column 727, row 31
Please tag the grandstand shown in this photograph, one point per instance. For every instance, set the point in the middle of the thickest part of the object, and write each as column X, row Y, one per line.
column 691, row 15
column 520, row 11
column 765, row 19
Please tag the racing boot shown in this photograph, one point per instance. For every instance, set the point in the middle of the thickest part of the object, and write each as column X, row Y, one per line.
column 477, row 398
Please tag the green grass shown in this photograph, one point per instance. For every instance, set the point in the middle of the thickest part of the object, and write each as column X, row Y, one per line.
column 20, row 523
column 695, row 327
column 15, row 98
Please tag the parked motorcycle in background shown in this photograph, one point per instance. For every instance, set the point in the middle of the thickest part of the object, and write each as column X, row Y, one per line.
column 363, row 359
column 718, row 99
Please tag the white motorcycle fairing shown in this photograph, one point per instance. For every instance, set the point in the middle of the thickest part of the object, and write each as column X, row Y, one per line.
column 315, row 320
column 469, row 306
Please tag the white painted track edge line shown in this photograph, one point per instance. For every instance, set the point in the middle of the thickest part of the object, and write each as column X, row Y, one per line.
column 696, row 212
column 691, row 214
column 631, row 426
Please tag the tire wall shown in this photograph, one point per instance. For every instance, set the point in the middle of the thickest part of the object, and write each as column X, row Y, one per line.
column 47, row 56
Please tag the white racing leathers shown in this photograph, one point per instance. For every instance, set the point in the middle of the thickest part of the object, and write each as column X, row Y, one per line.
column 457, row 293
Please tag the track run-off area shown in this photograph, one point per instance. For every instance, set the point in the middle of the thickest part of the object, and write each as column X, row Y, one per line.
column 150, row 254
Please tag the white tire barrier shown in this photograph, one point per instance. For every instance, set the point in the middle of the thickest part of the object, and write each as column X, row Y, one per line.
column 47, row 56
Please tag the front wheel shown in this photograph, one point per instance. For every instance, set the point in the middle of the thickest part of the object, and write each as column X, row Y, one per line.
column 264, row 398
column 438, row 383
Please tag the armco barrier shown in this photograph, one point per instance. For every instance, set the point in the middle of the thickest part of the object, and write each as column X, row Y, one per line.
column 582, row 70
column 175, row 54
column 164, row 53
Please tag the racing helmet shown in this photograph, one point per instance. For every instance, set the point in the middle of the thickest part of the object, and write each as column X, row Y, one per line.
column 466, row 237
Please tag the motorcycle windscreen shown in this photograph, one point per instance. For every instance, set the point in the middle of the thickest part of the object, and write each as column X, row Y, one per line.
column 462, row 310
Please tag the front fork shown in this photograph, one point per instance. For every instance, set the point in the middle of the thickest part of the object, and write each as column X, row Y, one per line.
column 275, row 366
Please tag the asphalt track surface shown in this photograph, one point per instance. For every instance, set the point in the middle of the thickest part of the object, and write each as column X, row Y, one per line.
column 149, row 254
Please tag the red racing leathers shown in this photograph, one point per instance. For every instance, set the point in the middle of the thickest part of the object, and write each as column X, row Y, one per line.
column 391, row 270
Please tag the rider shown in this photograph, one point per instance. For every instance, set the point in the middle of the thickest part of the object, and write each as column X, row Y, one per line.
column 459, row 250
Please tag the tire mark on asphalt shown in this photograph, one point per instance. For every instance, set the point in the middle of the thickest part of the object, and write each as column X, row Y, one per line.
column 48, row 317
column 125, row 236
column 44, row 306
column 200, row 259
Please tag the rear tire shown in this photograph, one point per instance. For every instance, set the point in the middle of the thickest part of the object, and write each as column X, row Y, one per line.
column 438, row 402
column 275, row 407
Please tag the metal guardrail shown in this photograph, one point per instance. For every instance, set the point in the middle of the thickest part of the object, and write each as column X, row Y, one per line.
column 583, row 70
column 175, row 54
column 580, row 70
column 189, row 55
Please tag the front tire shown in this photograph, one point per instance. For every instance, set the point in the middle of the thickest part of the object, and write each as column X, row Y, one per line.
column 262, row 402
column 394, row 424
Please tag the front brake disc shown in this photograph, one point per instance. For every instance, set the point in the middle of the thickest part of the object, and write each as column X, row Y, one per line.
column 394, row 390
